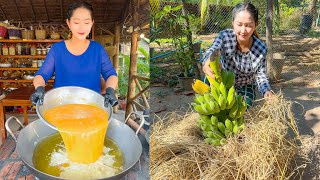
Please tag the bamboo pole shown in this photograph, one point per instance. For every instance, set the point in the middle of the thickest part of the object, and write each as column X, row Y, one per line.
column 115, row 59
column 143, row 95
column 132, row 72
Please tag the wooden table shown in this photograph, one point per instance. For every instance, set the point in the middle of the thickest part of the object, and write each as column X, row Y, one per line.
column 19, row 97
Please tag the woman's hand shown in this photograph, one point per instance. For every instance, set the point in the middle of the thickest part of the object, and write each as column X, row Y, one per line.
column 207, row 70
column 268, row 95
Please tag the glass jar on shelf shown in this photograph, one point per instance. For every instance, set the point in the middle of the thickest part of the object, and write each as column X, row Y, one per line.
column 33, row 50
column 12, row 50
column 5, row 49
column 40, row 62
column 39, row 51
column 19, row 48
column 26, row 50
column 34, row 63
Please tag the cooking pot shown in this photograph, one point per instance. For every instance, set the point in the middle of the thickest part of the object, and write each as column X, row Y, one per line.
column 70, row 95
column 31, row 135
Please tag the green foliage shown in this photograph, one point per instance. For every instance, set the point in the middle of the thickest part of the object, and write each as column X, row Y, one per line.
column 123, row 75
column 177, row 26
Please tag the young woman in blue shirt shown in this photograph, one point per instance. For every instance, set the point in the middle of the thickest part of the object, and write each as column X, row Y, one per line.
column 242, row 52
column 78, row 61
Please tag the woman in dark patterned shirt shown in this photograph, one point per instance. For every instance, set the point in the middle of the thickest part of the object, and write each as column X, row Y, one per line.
column 242, row 52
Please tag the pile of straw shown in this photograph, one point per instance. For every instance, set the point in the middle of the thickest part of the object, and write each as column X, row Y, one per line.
column 263, row 150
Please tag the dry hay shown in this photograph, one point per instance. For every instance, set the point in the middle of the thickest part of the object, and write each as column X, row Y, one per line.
column 263, row 150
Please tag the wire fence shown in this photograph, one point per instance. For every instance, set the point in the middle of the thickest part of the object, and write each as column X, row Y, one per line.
column 296, row 35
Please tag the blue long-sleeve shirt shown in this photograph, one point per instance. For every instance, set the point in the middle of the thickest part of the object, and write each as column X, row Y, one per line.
column 84, row 70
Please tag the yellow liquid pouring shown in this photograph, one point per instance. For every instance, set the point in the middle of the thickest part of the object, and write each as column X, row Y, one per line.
column 82, row 127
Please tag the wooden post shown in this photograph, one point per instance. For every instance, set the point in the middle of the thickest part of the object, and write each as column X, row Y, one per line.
column 115, row 59
column 269, row 58
column 132, row 72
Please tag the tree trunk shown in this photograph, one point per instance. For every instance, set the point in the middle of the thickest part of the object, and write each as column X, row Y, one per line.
column 189, row 39
column 270, row 63
column 312, row 7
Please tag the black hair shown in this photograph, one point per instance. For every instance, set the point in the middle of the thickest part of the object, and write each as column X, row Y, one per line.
column 245, row 7
column 75, row 5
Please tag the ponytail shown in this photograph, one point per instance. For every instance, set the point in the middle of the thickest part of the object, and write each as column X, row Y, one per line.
column 255, row 33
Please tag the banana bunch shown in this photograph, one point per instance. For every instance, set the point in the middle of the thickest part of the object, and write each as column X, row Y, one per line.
column 216, row 130
column 220, row 107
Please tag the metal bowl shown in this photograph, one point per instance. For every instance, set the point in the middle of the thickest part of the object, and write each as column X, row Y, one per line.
column 28, row 77
column 70, row 95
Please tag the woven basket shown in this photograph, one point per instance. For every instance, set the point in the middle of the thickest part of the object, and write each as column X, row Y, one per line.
column 40, row 31
column 27, row 34
column 14, row 32
column 55, row 35
column 105, row 40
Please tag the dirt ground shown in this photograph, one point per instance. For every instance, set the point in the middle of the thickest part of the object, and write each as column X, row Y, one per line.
column 299, row 81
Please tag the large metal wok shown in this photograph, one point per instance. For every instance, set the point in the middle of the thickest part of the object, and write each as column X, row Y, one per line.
column 31, row 135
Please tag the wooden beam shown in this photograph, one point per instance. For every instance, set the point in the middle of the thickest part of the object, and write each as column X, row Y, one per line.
column 143, row 95
column 125, row 11
column 33, row 13
column 45, row 8
column 4, row 15
column 61, row 10
column 115, row 59
column 105, row 11
column 142, row 78
column 139, row 94
column 15, row 3
column 132, row 71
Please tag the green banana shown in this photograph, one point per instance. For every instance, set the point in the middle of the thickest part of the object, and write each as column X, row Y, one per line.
column 210, row 134
column 208, row 140
column 228, row 125
column 235, row 129
column 204, row 133
column 227, row 133
column 223, row 141
column 231, row 98
column 213, row 107
column 213, row 127
column 224, row 76
column 214, row 120
column 233, row 111
column 235, row 123
column 216, row 142
column 216, row 107
column 199, row 99
column 209, row 109
column 240, row 120
column 218, row 134
column 206, row 119
column 216, row 84
column 230, row 79
column 222, row 102
column 215, row 66
column 241, row 127
column 200, row 110
column 221, row 127
column 242, row 107
column 207, row 97
column 215, row 93
column 223, row 90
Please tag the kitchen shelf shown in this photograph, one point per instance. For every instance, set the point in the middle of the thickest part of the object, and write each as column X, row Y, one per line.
column 23, row 56
column 21, row 80
column 17, row 68
column 30, row 40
